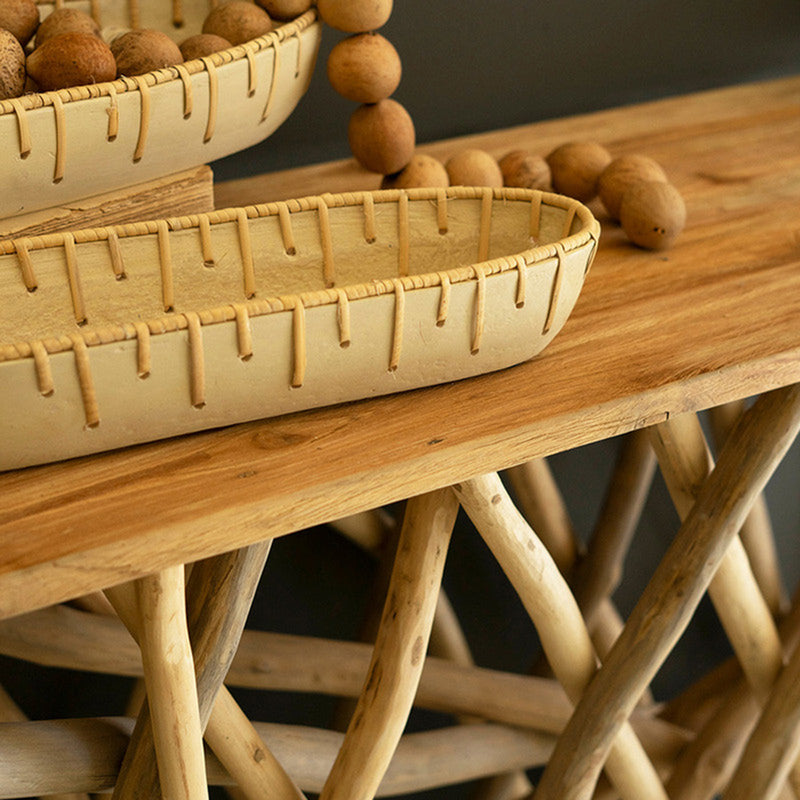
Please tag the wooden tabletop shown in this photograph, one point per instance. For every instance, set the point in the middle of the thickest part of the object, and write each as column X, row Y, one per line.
column 654, row 334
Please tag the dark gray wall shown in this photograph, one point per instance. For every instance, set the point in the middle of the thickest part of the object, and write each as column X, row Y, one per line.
column 470, row 66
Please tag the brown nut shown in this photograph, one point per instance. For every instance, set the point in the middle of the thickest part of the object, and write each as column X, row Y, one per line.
column 364, row 68
column 12, row 66
column 202, row 44
column 525, row 171
column 620, row 174
column 355, row 17
column 576, row 168
column 65, row 20
column 422, row 170
column 285, row 9
column 143, row 51
column 238, row 21
column 71, row 59
column 652, row 214
column 473, row 167
column 382, row 136
column 20, row 18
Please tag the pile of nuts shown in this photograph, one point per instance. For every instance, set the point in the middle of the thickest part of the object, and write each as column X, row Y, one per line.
column 66, row 48
column 366, row 68
column 633, row 189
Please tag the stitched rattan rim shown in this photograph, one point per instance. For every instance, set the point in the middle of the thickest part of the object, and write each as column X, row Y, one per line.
column 161, row 76
column 589, row 231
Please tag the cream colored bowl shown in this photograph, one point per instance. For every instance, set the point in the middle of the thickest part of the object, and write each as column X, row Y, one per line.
column 121, row 335
column 58, row 147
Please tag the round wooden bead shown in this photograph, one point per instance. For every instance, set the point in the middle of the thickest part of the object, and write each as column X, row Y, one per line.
column 525, row 171
column 473, row 167
column 620, row 174
column 422, row 171
column 364, row 68
column 285, row 9
column 382, row 136
column 20, row 18
column 238, row 21
column 576, row 168
column 652, row 214
column 355, row 16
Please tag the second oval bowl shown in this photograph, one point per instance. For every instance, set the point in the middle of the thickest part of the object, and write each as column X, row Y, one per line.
column 58, row 147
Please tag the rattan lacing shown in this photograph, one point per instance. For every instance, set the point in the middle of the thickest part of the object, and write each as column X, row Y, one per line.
column 143, row 85
column 240, row 312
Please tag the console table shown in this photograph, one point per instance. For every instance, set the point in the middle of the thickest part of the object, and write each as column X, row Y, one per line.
column 655, row 337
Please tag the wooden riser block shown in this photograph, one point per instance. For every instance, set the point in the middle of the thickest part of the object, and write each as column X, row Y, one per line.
column 189, row 192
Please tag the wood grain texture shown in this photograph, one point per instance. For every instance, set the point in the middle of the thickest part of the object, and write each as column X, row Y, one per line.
column 553, row 610
column 665, row 607
column 653, row 335
column 52, row 755
column 64, row 637
column 188, row 192
column 168, row 668
column 400, row 646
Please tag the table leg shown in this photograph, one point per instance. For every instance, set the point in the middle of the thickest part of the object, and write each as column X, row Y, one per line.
column 220, row 592
column 747, row 461
column 171, row 690
column 734, row 591
column 399, row 653
column 542, row 505
column 598, row 573
column 774, row 746
column 756, row 533
column 554, row 612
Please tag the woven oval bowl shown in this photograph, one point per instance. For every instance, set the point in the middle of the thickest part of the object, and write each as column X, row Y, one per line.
column 114, row 336
column 58, row 147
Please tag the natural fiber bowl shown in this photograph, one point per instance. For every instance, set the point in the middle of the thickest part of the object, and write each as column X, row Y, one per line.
column 58, row 147
column 114, row 336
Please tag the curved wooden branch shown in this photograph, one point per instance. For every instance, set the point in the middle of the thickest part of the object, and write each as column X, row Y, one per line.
column 171, row 690
column 60, row 636
column 84, row 754
column 774, row 744
column 400, row 647
column 734, row 591
column 748, row 459
column 540, row 501
column 704, row 767
column 220, row 593
column 237, row 744
column 598, row 573
column 554, row 612
column 756, row 533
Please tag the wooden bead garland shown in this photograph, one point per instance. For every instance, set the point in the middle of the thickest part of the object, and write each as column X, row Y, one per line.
column 366, row 68
column 620, row 174
column 473, row 167
column 355, row 16
column 381, row 136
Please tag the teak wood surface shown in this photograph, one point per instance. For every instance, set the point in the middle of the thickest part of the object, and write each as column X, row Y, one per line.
column 654, row 334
